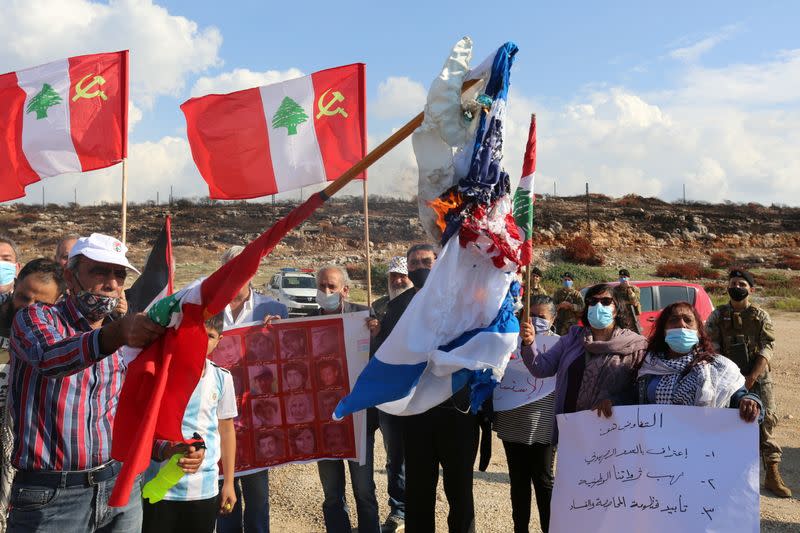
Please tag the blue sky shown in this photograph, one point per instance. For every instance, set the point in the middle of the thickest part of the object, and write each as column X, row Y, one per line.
column 637, row 97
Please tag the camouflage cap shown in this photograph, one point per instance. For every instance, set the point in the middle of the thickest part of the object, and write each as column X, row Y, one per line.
column 536, row 272
column 623, row 272
column 567, row 275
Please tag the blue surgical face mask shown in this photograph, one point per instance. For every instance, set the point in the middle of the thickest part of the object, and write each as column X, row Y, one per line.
column 541, row 325
column 601, row 316
column 568, row 283
column 8, row 272
column 681, row 340
column 623, row 280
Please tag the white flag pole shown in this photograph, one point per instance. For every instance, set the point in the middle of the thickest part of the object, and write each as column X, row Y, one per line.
column 124, row 198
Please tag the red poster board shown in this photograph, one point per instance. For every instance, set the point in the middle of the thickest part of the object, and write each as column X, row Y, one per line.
column 288, row 379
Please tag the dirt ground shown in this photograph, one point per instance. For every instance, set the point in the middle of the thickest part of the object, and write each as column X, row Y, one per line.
column 296, row 493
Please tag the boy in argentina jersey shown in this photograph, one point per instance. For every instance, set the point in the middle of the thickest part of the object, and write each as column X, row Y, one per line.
column 193, row 504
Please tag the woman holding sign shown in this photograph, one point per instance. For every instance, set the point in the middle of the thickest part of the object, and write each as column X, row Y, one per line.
column 594, row 364
column 527, row 435
column 681, row 368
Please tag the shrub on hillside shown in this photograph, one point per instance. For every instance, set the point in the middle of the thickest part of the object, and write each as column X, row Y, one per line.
column 722, row 259
column 790, row 261
column 691, row 270
column 580, row 250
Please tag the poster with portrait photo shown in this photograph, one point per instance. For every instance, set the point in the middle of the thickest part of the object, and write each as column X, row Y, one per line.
column 260, row 346
column 329, row 373
column 229, row 351
column 293, row 343
column 295, row 376
column 289, row 383
column 266, row 412
column 263, row 379
column 270, row 445
column 325, row 340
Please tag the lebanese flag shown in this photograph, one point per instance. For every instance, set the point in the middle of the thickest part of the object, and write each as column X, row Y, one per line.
column 160, row 381
column 279, row 137
column 523, row 197
column 66, row 116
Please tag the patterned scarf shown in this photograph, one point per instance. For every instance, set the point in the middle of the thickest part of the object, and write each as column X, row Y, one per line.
column 707, row 384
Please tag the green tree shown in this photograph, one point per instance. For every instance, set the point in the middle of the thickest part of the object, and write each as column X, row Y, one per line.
column 289, row 116
column 46, row 98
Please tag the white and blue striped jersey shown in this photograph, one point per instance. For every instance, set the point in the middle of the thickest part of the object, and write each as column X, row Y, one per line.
column 212, row 400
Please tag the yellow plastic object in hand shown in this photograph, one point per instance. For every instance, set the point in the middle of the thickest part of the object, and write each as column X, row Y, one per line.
column 169, row 475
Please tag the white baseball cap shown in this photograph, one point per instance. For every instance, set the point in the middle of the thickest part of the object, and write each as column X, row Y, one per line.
column 102, row 248
column 398, row 265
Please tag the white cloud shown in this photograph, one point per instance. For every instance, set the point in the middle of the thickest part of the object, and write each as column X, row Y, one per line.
column 398, row 97
column 241, row 78
column 692, row 52
column 164, row 48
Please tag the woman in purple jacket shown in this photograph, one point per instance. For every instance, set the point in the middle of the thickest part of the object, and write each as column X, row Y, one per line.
column 595, row 364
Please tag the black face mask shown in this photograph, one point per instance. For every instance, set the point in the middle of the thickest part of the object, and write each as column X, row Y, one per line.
column 419, row 276
column 737, row 294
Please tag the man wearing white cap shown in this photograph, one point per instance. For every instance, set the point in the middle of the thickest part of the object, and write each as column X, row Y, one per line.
column 397, row 283
column 66, row 374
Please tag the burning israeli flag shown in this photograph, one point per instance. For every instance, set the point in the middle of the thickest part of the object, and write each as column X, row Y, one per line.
column 460, row 328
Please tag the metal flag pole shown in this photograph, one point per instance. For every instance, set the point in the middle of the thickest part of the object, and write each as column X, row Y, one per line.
column 124, row 198
column 366, row 244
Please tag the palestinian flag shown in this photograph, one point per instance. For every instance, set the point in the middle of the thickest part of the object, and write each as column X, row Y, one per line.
column 279, row 137
column 146, row 411
column 523, row 197
column 156, row 280
column 70, row 115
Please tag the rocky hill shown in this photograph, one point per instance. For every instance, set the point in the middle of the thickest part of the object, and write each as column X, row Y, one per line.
column 630, row 230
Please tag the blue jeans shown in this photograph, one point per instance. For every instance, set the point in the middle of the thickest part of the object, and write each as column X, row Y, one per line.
column 392, row 430
column 334, row 508
column 74, row 509
column 254, row 490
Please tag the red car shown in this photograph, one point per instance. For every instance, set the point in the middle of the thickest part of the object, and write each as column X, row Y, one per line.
column 656, row 295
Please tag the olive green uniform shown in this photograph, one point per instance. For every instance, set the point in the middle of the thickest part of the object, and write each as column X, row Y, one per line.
column 628, row 297
column 742, row 337
column 538, row 291
column 566, row 318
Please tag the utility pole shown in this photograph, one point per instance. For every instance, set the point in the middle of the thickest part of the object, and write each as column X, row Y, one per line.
column 554, row 189
column 76, row 196
column 42, row 196
column 588, row 217
column 684, row 194
column 170, row 195
column 156, row 197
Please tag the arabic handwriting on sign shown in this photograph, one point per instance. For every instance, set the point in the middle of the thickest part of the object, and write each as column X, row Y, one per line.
column 657, row 420
column 707, row 511
column 673, row 478
column 599, row 503
column 710, row 481
column 711, row 455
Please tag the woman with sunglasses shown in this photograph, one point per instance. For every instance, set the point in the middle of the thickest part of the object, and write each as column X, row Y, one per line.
column 681, row 368
column 595, row 363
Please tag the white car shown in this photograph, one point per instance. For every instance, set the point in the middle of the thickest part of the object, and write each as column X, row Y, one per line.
column 296, row 289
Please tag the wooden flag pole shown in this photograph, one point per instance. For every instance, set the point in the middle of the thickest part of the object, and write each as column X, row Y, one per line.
column 366, row 245
column 381, row 150
column 124, row 199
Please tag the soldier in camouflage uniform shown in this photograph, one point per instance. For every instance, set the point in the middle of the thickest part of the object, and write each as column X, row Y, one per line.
column 569, row 305
column 536, row 283
column 744, row 333
column 628, row 297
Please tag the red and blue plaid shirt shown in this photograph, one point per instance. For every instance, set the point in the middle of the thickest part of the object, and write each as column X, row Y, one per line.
column 64, row 391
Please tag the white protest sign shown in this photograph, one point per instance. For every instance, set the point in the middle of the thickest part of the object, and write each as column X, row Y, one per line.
column 518, row 386
column 656, row 468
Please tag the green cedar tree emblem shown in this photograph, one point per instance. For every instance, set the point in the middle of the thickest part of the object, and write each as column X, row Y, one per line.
column 46, row 98
column 289, row 116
